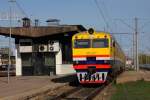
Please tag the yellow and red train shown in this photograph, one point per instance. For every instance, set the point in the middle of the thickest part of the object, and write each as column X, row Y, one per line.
column 96, row 56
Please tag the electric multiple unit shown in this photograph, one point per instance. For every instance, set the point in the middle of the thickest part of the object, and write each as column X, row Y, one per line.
column 96, row 56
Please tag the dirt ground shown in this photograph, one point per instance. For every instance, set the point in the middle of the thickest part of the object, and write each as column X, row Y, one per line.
column 106, row 93
column 127, row 76
column 26, row 86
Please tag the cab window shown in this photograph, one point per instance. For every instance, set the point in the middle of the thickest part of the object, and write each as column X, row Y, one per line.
column 82, row 43
column 100, row 43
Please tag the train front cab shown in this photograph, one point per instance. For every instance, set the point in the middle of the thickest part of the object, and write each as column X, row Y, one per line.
column 91, row 57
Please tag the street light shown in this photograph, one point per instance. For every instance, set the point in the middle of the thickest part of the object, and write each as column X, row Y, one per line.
column 10, row 32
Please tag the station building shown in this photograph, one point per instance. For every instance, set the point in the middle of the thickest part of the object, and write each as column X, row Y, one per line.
column 43, row 50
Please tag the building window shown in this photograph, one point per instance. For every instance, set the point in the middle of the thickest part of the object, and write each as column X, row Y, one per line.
column 26, row 59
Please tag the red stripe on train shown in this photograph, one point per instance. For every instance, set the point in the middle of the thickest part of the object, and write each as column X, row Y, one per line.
column 86, row 66
column 78, row 56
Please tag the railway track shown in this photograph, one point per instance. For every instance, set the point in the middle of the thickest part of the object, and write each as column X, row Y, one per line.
column 75, row 93
column 83, row 94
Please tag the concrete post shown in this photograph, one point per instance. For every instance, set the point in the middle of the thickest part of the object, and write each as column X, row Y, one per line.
column 18, row 61
column 58, row 59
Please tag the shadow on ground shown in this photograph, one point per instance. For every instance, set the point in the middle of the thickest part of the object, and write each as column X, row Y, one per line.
column 65, row 79
column 71, row 79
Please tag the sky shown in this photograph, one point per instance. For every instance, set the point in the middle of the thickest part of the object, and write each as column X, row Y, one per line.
column 119, row 14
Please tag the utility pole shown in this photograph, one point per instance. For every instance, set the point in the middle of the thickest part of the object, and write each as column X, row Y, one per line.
column 133, row 51
column 10, row 32
column 136, row 59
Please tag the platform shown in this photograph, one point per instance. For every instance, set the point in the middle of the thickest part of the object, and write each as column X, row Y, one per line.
column 129, row 76
column 27, row 86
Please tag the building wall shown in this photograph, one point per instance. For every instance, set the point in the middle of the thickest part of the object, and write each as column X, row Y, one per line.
column 62, row 69
column 62, row 58
column 66, row 69
column 18, row 61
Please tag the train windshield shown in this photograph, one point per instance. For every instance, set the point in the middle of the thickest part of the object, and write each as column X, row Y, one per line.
column 82, row 43
column 100, row 43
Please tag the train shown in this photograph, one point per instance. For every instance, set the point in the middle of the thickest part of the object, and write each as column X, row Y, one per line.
column 97, row 56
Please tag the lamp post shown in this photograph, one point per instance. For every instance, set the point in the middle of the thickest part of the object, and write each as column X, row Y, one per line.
column 10, row 32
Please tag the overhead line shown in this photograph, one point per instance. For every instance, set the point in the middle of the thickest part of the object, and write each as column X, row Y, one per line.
column 21, row 9
column 101, row 13
column 145, row 24
column 125, row 23
column 107, row 14
column 123, row 33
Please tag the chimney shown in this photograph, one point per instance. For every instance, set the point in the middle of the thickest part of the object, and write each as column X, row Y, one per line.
column 26, row 22
column 36, row 22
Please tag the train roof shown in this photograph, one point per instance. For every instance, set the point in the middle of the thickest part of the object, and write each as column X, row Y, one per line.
column 95, row 33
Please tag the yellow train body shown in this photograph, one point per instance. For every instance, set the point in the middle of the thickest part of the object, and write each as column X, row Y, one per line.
column 91, row 51
column 96, row 54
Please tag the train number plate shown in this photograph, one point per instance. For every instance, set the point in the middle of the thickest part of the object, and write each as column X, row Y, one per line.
column 89, row 77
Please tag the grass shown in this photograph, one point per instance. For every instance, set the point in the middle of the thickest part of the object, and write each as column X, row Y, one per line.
column 139, row 90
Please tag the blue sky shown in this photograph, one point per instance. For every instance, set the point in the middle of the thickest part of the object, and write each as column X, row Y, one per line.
column 85, row 12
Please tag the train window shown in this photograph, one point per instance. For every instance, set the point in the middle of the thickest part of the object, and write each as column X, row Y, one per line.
column 80, row 43
column 100, row 43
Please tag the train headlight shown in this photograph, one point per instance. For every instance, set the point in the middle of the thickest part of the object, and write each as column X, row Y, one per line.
column 91, row 31
column 105, row 36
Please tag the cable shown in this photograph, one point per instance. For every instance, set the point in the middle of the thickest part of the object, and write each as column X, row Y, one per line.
column 21, row 9
column 106, row 13
column 18, row 6
column 101, row 13
column 126, row 24
column 144, row 25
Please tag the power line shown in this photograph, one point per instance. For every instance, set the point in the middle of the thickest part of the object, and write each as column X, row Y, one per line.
column 106, row 11
column 101, row 13
column 15, row 16
column 21, row 9
column 125, row 33
column 145, row 24
column 121, row 20
column 135, row 42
